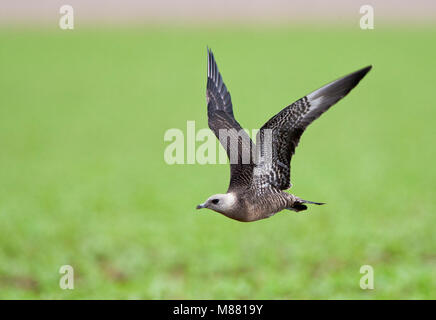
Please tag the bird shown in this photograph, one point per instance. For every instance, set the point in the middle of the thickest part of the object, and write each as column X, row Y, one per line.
column 260, row 173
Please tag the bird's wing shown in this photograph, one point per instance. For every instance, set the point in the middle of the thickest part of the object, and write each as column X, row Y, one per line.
column 234, row 139
column 277, row 144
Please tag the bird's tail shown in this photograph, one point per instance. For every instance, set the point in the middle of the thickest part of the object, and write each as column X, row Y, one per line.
column 299, row 205
column 311, row 202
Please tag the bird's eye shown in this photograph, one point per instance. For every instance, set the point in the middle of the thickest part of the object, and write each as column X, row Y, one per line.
column 215, row 201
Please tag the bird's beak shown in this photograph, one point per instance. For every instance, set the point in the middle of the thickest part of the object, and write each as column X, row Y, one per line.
column 201, row 206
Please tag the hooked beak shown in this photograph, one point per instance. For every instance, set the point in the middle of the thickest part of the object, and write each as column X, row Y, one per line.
column 201, row 206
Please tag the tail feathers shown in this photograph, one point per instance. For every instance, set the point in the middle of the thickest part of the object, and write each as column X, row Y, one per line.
column 311, row 202
column 299, row 206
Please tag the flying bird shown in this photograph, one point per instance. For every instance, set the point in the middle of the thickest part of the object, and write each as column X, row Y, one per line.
column 258, row 182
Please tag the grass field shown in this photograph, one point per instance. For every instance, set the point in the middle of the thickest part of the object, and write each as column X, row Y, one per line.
column 83, row 180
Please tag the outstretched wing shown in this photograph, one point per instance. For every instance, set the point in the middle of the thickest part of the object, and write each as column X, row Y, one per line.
column 279, row 137
column 234, row 139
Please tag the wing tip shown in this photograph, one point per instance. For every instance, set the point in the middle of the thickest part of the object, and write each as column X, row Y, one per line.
column 353, row 79
column 342, row 86
column 211, row 64
column 362, row 72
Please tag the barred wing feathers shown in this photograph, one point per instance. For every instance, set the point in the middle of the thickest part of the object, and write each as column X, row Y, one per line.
column 220, row 116
column 288, row 125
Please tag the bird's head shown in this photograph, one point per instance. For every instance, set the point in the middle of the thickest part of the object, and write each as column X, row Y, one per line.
column 221, row 203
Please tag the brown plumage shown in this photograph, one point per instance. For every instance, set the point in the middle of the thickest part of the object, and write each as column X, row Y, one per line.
column 260, row 173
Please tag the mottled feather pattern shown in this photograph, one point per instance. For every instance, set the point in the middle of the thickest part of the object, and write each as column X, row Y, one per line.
column 220, row 116
column 289, row 124
column 257, row 184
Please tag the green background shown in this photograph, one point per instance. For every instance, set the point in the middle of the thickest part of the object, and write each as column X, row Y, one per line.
column 83, row 180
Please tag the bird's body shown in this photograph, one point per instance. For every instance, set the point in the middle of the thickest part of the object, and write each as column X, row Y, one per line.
column 251, row 207
column 245, row 205
column 260, row 173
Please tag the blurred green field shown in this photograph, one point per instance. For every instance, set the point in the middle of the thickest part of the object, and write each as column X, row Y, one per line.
column 83, row 180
